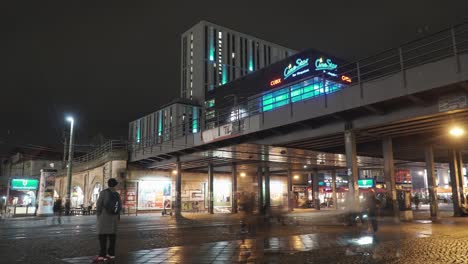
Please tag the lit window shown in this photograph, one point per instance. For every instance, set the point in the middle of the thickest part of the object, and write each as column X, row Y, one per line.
column 233, row 55
column 220, row 34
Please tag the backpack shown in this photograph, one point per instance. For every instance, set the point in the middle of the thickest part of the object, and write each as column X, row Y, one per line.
column 113, row 205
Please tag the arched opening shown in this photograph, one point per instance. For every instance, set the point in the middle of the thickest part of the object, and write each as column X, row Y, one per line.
column 95, row 193
column 77, row 196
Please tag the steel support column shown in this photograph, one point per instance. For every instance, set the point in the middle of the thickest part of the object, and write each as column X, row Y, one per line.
column 290, row 190
column 351, row 162
column 178, row 189
column 335, row 200
column 316, row 189
column 210, row 189
column 461, row 179
column 389, row 174
column 266, row 172
column 234, row 188
column 431, row 182
column 260, row 188
column 454, row 182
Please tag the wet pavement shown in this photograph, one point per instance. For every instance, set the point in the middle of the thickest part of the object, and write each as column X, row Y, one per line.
column 307, row 237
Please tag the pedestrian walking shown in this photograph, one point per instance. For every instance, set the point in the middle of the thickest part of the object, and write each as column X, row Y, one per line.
column 372, row 204
column 108, row 207
column 57, row 211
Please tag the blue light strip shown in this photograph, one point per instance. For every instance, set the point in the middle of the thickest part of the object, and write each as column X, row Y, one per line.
column 138, row 132
column 195, row 120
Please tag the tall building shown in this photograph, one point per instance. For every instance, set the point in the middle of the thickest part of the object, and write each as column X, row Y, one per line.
column 213, row 55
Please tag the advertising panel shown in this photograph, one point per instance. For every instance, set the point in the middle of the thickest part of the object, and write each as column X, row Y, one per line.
column 46, row 192
column 152, row 195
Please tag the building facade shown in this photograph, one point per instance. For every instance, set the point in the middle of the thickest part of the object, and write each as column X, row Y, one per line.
column 174, row 120
column 212, row 55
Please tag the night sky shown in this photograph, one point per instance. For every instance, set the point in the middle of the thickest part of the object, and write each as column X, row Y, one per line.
column 109, row 63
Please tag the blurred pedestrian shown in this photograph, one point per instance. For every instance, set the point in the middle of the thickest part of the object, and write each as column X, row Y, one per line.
column 57, row 211
column 372, row 204
column 67, row 206
column 416, row 200
column 108, row 209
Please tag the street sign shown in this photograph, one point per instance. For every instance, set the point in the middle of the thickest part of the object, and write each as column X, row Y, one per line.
column 24, row 184
column 366, row 183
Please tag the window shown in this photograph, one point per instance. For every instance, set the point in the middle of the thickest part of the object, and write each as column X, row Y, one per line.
column 275, row 99
column 210, row 114
column 210, row 103
column 302, row 91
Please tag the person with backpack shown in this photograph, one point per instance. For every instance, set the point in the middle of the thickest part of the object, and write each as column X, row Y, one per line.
column 108, row 207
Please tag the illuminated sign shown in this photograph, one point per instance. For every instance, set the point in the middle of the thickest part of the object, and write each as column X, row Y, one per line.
column 366, row 183
column 275, row 82
column 345, row 78
column 24, row 184
column 295, row 70
column 327, row 65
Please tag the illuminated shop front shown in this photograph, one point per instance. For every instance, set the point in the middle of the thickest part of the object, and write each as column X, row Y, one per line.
column 222, row 196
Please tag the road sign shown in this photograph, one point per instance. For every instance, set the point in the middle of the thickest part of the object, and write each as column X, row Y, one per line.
column 24, row 184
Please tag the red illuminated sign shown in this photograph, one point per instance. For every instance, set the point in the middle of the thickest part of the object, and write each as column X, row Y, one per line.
column 275, row 82
column 345, row 78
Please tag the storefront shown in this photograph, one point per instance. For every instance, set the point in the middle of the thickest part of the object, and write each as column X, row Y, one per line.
column 300, row 196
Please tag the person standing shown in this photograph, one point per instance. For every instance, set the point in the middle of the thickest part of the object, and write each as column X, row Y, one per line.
column 108, row 207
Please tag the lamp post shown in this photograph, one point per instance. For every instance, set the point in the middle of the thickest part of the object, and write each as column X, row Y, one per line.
column 69, row 166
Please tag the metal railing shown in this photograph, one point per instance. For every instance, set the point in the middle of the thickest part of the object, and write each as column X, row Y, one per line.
column 444, row 44
column 99, row 152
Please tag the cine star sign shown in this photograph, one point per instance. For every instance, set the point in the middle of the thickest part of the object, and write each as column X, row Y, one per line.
column 24, row 184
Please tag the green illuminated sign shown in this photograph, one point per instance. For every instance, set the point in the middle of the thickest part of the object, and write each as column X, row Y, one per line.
column 367, row 183
column 24, row 184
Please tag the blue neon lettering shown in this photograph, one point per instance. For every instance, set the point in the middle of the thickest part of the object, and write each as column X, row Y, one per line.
column 290, row 70
column 324, row 66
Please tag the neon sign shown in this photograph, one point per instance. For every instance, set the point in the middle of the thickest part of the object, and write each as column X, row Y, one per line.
column 294, row 70
column 275, row 82
column 328, row 65
column 345, row 78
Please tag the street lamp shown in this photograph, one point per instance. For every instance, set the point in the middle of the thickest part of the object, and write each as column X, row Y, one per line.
column 69, row 165
column 457, row 131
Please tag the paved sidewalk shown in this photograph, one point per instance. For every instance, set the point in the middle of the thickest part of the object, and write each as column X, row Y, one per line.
column 237, row 251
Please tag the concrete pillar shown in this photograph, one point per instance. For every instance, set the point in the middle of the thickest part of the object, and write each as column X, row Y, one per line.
column 351, row 162
column 389, row 174
column 431, row 182
column 315, row 189
column 266, row 172
column 310, row 193
column 290, row 191
column 210, row 189
column 178, row 189
column 461, row 179
column 335, row 200
column 454, row 182
column 234, row 188
column 260, row 189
